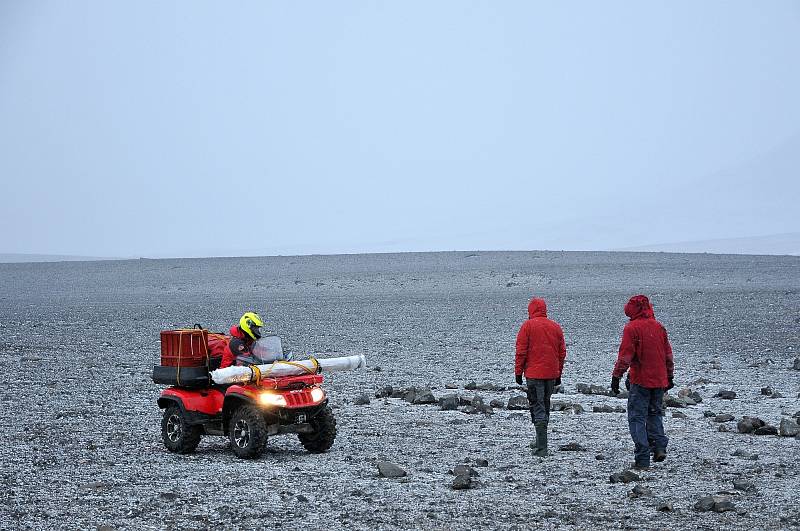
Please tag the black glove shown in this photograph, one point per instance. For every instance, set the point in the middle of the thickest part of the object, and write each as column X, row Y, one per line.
column 615, row 385
column 558, row 382
column 671, row 384
column 628, row 382
column 519, row 379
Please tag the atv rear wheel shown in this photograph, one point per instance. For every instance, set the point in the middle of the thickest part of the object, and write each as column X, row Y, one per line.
column 177, row 435
column 321, row 439
column 247, row 431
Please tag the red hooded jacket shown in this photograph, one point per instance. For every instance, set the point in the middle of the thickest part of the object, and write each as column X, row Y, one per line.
column 645, row 347
column 540, row 345
column 239, row 343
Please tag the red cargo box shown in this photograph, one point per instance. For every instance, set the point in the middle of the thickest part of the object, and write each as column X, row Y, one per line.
column 184, row 348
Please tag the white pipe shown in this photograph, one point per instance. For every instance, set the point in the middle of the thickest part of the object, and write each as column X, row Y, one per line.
column 244, row 374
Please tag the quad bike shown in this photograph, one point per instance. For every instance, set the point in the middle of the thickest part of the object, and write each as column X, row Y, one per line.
column 245, row 413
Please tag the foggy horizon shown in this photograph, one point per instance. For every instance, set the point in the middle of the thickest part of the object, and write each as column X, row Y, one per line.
column 189, row 130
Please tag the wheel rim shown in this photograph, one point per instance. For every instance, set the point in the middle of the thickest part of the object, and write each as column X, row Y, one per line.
column 241, row 433
column 174, row 428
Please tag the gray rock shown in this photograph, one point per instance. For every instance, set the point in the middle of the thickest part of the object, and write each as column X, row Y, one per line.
column 518, row 402
column 390, row 470
column 796, row 365
column 724, row 417
column 410, row 394
column 424, row 396
column 678, row 415
column 749, row 424
column 767, row 391
column 718, row 504
column 743, row 485
column 481, row 462
column 725, row 395
column 723, row 428
column 789, row 428
column 461, row 483
column 608, row 409
column 709, row 414
column 745, row 455
column 486, row 409
column 469, row 410
column 450, row 386
column 448, row 402
column 592, row 389
column 496, row 403
column 384, row 392
column 472, row 386
column 640, row 491
column 689, row 393
column 362, row 399
column 577, row 409
column 676, row 401
column 776, row 394
column 625, row 476
column 664, row 507
column 571, row 447
column 464, row 470
column 766, row 430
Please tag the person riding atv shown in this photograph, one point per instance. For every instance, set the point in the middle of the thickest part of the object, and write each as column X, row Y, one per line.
column 243, row 336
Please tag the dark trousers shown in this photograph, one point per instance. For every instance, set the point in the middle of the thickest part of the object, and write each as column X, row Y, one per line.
column 539, row 392
column 645, row 421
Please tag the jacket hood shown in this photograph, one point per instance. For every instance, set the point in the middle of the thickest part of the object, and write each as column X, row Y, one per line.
column 639, row 307
column 537, row 308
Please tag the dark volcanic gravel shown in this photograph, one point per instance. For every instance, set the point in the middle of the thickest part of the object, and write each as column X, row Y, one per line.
column 81, row 428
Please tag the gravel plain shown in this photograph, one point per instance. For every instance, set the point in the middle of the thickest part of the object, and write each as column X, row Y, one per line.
column 81, row 429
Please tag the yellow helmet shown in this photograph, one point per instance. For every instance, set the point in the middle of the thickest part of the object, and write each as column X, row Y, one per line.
column 250, row 324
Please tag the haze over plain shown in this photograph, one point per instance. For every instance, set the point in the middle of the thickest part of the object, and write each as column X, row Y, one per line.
column 196, row 129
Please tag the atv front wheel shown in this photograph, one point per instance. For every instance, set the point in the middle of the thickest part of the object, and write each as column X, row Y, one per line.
column 247, row 432
column 177, row 435
column 321, row 439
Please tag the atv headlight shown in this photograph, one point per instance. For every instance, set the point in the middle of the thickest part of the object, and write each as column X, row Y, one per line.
column 272, row 399
column 317, row 394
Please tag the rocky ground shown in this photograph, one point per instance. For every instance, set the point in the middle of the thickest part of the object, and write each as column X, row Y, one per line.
column 81, row 429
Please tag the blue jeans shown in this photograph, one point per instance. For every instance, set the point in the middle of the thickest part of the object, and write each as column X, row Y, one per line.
column 644, row 421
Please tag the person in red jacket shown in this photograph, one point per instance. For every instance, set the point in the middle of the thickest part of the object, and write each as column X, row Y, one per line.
column 243, row 336
column 646, row 354
column 540, row 356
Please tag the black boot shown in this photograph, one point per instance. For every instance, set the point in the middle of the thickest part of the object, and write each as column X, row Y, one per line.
column 541, row 439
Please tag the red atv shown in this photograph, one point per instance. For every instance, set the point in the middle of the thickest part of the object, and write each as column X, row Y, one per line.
column 246, row 413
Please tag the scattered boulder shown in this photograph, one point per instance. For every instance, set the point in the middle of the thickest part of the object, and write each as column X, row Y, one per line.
column 709, row 414
column 461, row 483
column 767, row 391
column 723, row 428
column 448, row 403
column 424, row 396
column 664, row 507
column 724, row 417
column 384, row 392
column 464, row 470
column 450, row 386
column 640, row 491
column 625, row 476
column 518, row 402
column 472, row 386
column 775, row 394
column 689, row 393
column 571, row 447
column 390, row 470
column 481, row 462
column 725, row 395
column 496, row 403
column 745, row 455
column 678, row 415
column 362, row 399
column 743, row 485
column 577, row 409
column 592, row 389
column 718, row 504
column 559, row 405
column 608, row 409
column 766, row 430
column 469, row 410
column 677, row 401
column 789, row 428
column 796, row 365
column 749, row 424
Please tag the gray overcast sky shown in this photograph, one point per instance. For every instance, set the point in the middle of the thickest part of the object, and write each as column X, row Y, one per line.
column 196, row 128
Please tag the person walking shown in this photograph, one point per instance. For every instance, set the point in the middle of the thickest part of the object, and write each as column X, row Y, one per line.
column 540, row 355
column 646, row 354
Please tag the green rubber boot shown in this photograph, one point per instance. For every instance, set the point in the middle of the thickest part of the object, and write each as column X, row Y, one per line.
column 541, row 439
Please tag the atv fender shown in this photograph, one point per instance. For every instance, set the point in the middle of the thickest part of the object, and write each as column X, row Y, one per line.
column 204, row 401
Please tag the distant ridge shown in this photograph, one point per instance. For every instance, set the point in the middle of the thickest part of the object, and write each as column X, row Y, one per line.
column 773, row 244
column 20, row 258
